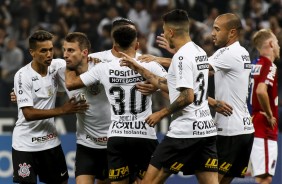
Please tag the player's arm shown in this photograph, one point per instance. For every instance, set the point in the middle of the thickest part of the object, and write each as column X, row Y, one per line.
column 163, row 43
column 159, row 82
column 72, row 80
column 70, row 107
column 161, row 60
column 263, row 99
column 145, row 88
column 220, row 106
column 185, row 98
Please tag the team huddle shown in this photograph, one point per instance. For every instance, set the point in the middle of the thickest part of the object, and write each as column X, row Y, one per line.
column 112, row 99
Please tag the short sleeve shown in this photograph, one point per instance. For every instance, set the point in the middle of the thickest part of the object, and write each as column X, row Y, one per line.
column 23, row 90
column 92, row 76
column 220, row 60
column 183, row 71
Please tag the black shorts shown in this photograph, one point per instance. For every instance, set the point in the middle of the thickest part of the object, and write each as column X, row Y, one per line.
column 233, row 154
column 49, row 165
column 186, row 154
column 91, row 161
column 129, row 157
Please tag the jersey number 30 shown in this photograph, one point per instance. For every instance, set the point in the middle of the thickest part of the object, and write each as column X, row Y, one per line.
column 119, row 107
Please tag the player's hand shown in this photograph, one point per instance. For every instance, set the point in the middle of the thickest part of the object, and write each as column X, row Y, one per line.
column 272, row 121
column 129, row 62
column 163, row 43
column 73, row 106
column 155, row 118
column 223, row 108
column 13, row 97
column 146, row 88
column 94, row 60
column 147, row 58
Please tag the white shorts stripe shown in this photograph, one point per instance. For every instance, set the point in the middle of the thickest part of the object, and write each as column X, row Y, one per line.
column 264, row 156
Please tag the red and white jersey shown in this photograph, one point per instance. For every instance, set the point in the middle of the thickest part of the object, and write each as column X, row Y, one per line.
column 232, row 68
column 189, row 69
column 39, row 92
column 264, row 71
column 129, row 108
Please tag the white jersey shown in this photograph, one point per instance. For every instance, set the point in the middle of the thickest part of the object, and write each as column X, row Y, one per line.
column 189, row 69
column 38, row 92
column 232, row 69
column 93, row 125
column 129, row 107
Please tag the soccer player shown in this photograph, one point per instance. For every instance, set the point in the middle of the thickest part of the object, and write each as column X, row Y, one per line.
column 265, row 106
column 130, row 140
column 92, row 126
column 36, row 147
column 190, row 144
column 231, row 65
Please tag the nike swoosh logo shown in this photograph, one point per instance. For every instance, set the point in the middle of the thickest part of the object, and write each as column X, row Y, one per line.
column 37, row 89
column 62, row 174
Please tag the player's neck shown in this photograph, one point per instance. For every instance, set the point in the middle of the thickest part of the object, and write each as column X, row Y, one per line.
column 231, row 41
column 40, row 69
column 83, row 67
column 180, row 41
column 130, row 52
column 267, row 55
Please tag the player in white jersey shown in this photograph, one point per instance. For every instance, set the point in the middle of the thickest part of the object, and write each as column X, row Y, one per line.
column 92, row 126
column 36, row 146
column 190, row 144
column 232, row 67
column 131, row 141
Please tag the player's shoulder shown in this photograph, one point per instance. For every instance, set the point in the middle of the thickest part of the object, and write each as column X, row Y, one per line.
column 58, row 63
column 104, row 56
column 24, row 70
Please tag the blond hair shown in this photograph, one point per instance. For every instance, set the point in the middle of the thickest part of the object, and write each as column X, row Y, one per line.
column 261, row 36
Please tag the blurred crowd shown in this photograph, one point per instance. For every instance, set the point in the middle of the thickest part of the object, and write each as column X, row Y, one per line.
column 19, row 18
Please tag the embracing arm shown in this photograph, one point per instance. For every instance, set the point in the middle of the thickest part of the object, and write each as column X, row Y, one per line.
column 72, row 80
column 71, row 106
column 159, row 82
column 185, row 98
column 161, row 60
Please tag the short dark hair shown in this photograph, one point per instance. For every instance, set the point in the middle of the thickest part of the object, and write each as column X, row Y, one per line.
column 121, row 22
column 178, row 19
column 39, row 36
column 175, row 16
column 79, row 37
column 124, row 36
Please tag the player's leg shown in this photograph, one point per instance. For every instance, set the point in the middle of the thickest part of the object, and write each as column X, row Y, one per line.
column 24, row 167
column 155, row 176
column 234, row 161
column 90, row 164
column 52, row 166
column 85, row 179
column 264, row 159
column 205, row 161
column 142, row 149
column 118, row 164
column 206, row 177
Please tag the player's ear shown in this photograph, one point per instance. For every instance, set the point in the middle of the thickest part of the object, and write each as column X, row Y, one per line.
column 31, row 52
column 171, row 33
column 270, row 43
column 115, row 48
column 85, row 52
column 137, row 46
